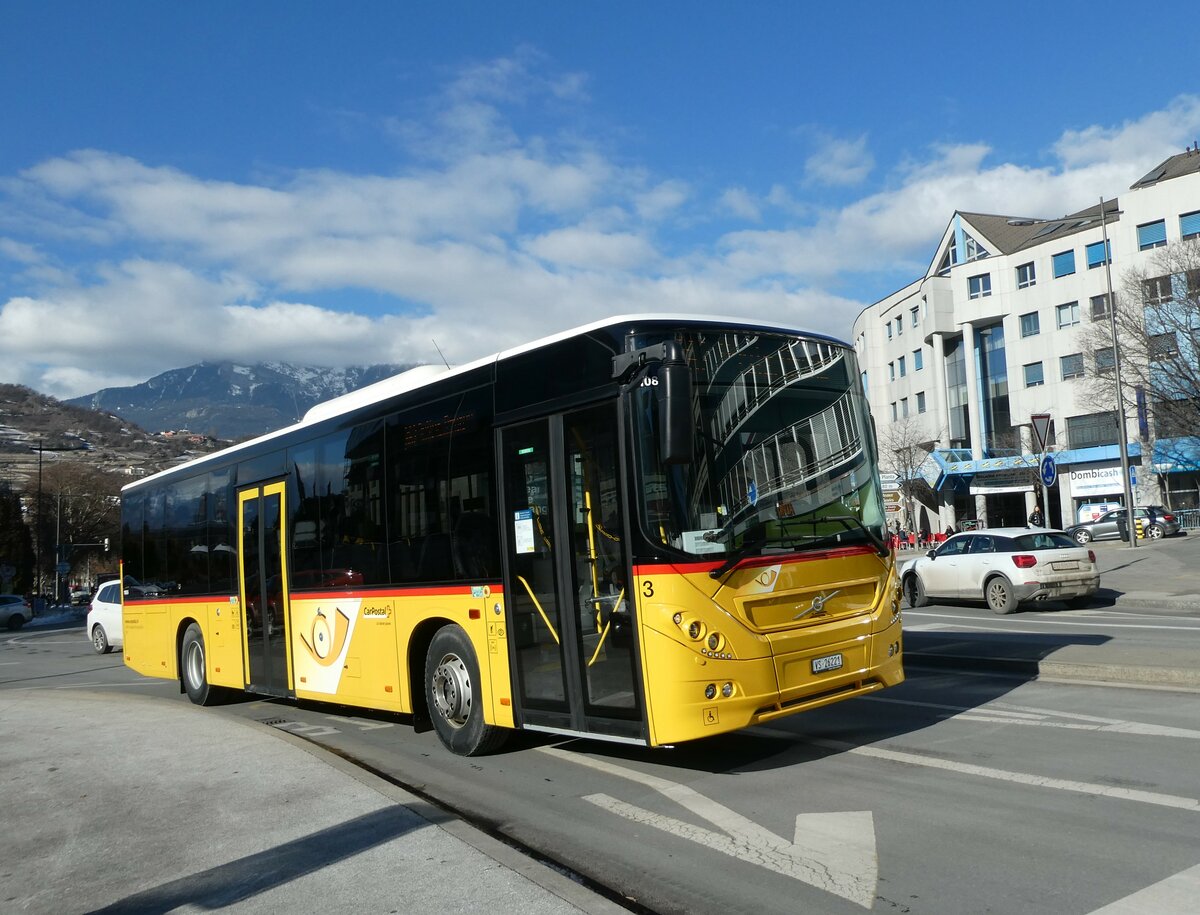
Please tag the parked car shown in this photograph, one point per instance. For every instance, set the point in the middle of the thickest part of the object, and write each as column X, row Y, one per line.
column 15, row 611
column 1005, row 567
column 80, row 596
column 104, row 628
column 1159, row 523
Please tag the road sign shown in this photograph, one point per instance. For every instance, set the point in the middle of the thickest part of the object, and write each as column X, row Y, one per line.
column 889, row 477
column 1048, row 470
column 890, row 487
column 891, row 507
column 62, row 568
column 1132, row 475
column 893, row 496
column 1041, row 430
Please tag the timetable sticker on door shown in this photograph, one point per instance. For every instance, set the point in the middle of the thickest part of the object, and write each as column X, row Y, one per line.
column 523, row 531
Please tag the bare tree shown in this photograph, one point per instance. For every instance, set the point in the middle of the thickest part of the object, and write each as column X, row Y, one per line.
column 80, row 511
column 1157, row 318
column 904, row 446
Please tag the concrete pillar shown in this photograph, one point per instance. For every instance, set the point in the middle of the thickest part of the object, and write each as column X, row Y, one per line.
column 938, row 398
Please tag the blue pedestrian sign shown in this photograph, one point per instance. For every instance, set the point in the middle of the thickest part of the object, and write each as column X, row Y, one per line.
column 1132, row 475
column 1048, row 470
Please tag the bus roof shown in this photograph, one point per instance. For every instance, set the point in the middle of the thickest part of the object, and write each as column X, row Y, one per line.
column 423, row 375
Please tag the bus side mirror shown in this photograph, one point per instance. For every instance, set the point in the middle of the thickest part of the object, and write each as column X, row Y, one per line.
column 675, row 426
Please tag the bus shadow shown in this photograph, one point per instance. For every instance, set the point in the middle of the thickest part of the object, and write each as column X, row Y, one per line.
column 948, row 673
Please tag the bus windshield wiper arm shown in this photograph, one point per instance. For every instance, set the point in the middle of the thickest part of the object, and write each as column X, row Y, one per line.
column 755, row 538
column 854, row 524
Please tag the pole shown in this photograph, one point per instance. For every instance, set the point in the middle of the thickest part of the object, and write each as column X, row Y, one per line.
column 57, row 548
column 1122, row 431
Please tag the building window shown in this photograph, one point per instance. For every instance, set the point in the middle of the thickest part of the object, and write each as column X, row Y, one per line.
column 1099, row 307
column 904, row 406
column 1064, row 264
column 1033, row 374
column 1026, row 276
column 895, row 414
column 1152, row 235
column 1068, row 314
column 1072, row 365
column 1193, row 283
column 891, row 371
column 899, row 325
column 1105, row 359
column 900, row 361
column 914, row 312
column 1095, row 255
column 918, row 360
column 1189, row 225
column 979, row 286
column 1092, row 430
column 1157, row 290
column 1030, row 325
column 889, row 329
column 1164, row 346
column 920, row 401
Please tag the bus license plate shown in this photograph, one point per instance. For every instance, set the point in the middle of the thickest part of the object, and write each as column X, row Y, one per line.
column 827, row 663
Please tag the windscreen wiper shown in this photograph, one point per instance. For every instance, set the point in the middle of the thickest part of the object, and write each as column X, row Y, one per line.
column 755, row 538
column 854, row 524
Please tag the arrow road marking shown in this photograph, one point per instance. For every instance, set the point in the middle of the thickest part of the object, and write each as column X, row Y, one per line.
column 834, row 852
column 1177, row 893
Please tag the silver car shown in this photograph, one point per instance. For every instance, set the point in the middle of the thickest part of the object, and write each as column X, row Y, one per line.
column 1158, row 521
column 14, row 611
column 104, row 629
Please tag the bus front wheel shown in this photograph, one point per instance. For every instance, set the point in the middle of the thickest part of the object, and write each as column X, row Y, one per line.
column 192, row 665
column 454, row 695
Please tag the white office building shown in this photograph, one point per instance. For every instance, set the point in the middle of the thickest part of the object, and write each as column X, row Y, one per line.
column 995, row 332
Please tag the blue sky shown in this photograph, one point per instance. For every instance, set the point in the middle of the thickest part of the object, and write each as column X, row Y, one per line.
column 344, row 184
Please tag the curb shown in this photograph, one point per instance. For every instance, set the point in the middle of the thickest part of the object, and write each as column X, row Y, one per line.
column 1063, row 670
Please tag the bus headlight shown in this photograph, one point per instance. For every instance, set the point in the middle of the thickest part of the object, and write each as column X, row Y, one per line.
column 694, row 629
column 716, row 641
column 727, row 690
column 710, row 691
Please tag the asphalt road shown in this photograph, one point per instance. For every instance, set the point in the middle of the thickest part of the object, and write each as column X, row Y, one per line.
column 955, row 792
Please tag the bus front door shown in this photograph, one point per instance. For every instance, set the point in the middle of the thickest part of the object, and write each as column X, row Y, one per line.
column 262, row 580
column 571, row 630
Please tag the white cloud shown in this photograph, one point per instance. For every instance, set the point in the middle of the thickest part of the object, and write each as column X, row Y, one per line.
column 493, row 240
column 840, row 162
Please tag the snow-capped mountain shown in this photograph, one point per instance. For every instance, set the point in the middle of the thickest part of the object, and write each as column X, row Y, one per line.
column 231, row 401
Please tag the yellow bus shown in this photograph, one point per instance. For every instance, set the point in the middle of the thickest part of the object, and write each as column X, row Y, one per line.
column 650, row 530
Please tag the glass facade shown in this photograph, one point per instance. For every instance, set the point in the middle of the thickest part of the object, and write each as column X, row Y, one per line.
column 994, row 410
column 956, row 393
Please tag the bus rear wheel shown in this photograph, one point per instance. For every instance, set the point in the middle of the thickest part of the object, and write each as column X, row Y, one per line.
column 193, row 667
column 454, row 696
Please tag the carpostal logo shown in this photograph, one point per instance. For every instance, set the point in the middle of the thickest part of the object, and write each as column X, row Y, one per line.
column 377, row 613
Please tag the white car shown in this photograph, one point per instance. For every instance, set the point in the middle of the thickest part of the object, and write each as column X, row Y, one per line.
column 14, row 611
column 1005, row 567
column 104, row 629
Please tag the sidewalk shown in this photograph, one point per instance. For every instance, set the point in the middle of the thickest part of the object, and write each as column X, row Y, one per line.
column 1156, row 575
column 128, row 804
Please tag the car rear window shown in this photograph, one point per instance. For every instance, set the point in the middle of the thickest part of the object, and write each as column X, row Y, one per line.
column 1045, row 540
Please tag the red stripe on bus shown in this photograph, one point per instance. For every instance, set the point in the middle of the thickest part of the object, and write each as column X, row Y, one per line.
column 443, row 591
column 685, row 568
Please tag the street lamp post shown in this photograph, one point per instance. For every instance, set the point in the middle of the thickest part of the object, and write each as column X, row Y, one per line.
column 1121, row 430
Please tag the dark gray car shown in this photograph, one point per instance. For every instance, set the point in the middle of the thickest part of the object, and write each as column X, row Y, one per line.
column 1159, row 523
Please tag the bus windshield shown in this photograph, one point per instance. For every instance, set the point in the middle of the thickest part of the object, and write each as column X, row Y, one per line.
column 783, row 455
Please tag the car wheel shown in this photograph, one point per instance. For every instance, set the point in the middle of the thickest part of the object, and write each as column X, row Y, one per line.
column 999, row 595
column 1083, row 536
column 454, row 695
column 193, row 668
column 16, row 621
column 914, row 591
column 1154, row 532
column 100, row 640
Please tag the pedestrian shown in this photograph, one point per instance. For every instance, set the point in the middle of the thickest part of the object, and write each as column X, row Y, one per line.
column 950, row 531
column 1035, row 517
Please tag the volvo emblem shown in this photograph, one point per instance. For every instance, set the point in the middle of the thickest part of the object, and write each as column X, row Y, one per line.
column 817, row 606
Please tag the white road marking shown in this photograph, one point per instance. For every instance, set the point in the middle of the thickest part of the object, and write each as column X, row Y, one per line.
column 1021, row 778
column 1177, row 895
column 1036, row 717
column 834, row 852
column 361, row 723
column 1052, row 622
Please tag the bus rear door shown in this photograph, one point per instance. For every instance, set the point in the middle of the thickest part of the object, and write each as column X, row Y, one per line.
column 263, row 592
